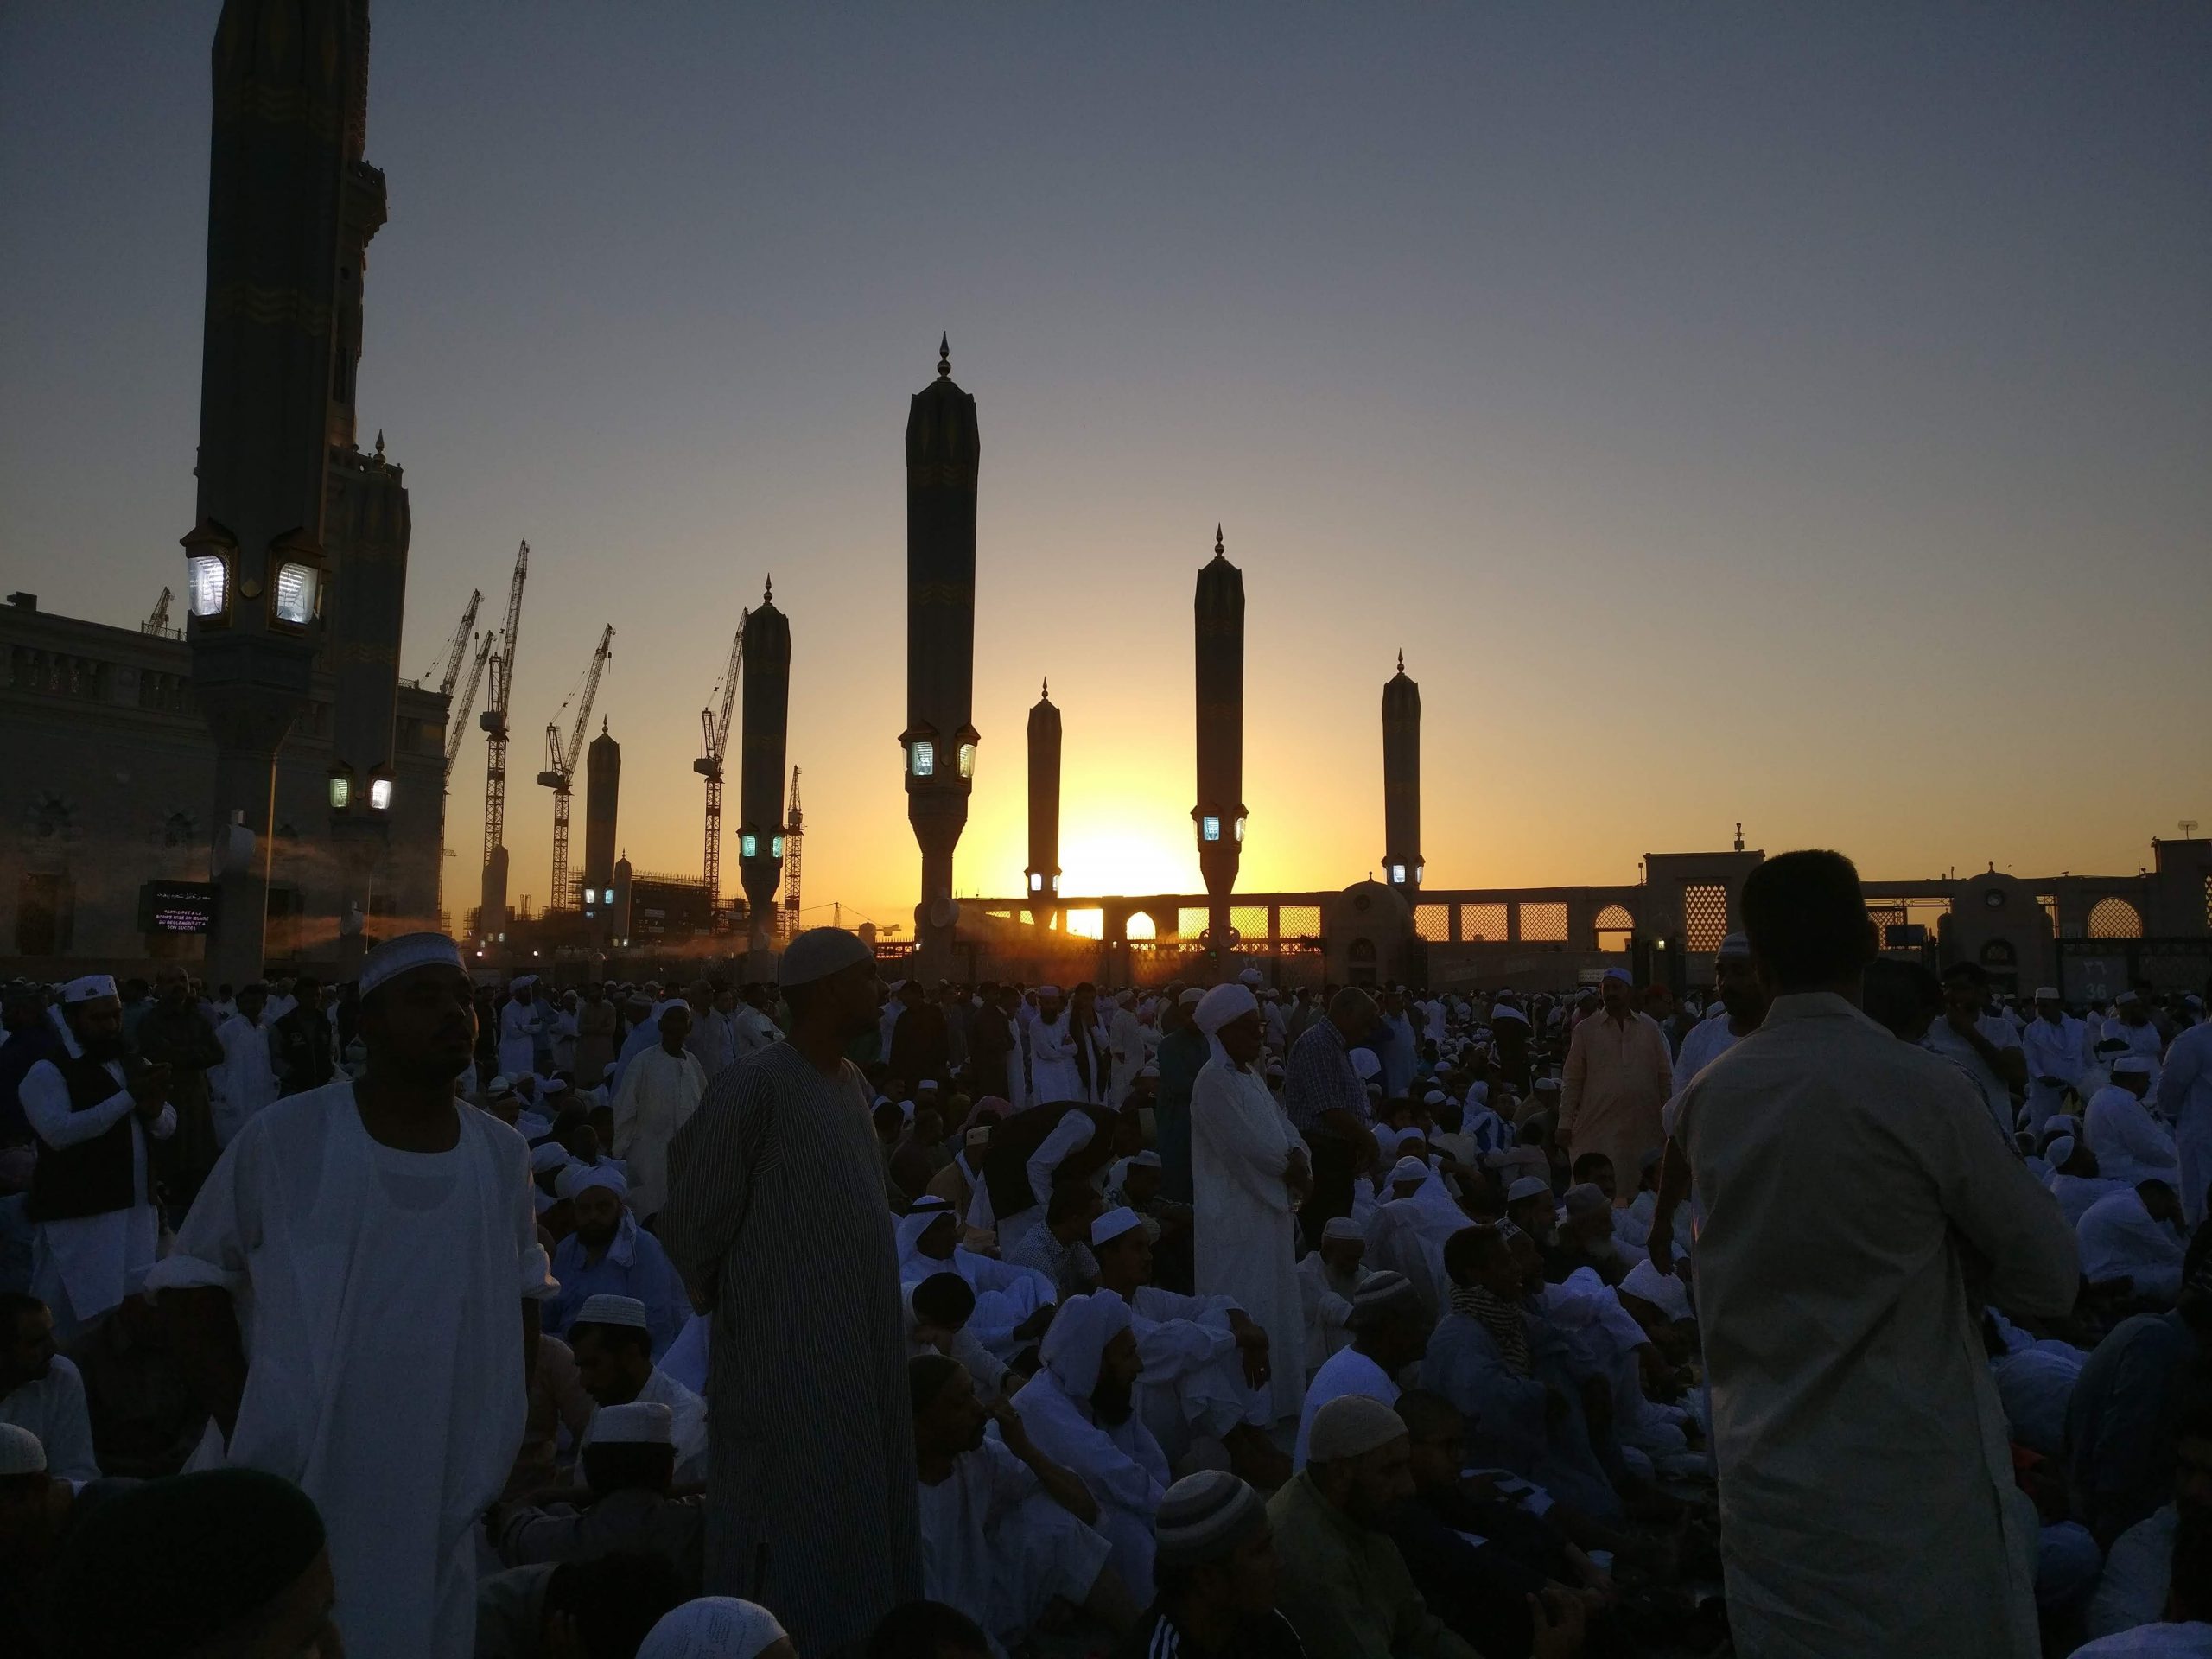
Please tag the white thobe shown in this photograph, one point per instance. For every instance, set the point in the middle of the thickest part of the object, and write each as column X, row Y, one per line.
column 2059, row 1050
column 997, row 1546
column 1193, row 1378
column 1121, row 1463
column 1126, row 1040
column 377, row 1295
column 53, row 1407
column 2076, row 1194
column 2185, row 1096
column 2129, row 1144
column 659, row 1093
column 687, row 1425
column 2120, row 1239
column 2142, row 1041
column 1327, row 1301
column 82, row 1266
column 517, row 1037
column 1348, row 1372
column 1053, row 1076
column 1245, row 1244
column 1995, row 1091
column 245, row 1081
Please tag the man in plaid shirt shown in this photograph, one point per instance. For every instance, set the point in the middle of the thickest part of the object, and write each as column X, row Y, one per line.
column 1327, row 1104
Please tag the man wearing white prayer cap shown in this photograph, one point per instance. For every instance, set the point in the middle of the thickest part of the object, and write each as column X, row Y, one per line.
column 611, row 1335
column 1389, row 1328
column 94, row 1111
column 660, row 1089
column 1248, row 1164
column 2130, row 1145
column 1329, row 1277
column 420, row 1221
column 608, row 1253
column 776, row 1215
column 1619, row 1074
column 717, row 1627
column 2059, row 1054
column 2184, row 1096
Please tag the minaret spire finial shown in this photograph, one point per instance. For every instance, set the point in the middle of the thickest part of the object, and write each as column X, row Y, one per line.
column 1218, row 549
column 768, row 589
column 379, row 443
column 1046, row 692
column 944, row 357
column 1401, row 662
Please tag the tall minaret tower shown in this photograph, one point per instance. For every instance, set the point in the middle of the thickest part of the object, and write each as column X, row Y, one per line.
column 1401, row 860
column 943, row 450
column 1218, row 608
column 1044, row 872
column 760, row 767
column 290, row 79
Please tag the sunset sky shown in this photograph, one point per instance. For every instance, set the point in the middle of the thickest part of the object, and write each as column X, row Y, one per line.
column 1792, row 414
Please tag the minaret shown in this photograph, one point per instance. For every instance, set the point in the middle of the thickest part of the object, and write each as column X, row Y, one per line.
column 1401, row 861
column 1045, row 807
column 760, row 768
column 284, row 195
column 943, row 450
column 1218, row 817
column 602, row 802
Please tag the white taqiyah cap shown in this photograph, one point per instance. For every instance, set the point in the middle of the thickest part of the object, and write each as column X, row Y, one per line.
column 1147, row 1160
column 712, row 1627
column 2132, row 1065
column 2059, row 1150
column 1341, row 1228
column 410, row 950
column 1529, row 1187
column 1147, row 1070
column 1252, row 977
column 1111, row 1225
column 1191, row 998
column 1409, row 1169
column 89, row 989
column 642, row 1422
column 578, row 1178
column 2046, row 993
column 819, row 952
column 547, row 1156
column 613, row 1309
column 1351, row 1425
column 21, row 1450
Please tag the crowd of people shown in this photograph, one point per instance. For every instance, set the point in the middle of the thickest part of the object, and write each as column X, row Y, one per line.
column 1840, row 1308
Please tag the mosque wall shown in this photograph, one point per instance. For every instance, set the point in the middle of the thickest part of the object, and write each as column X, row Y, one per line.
column 108, row 769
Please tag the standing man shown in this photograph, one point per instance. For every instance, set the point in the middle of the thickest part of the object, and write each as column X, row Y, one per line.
column 518, row 1028
column 175, row 1033
column 2055, row 1046
column 595, row 1036
column 2184, row 1096
column 299, row 1041
column 1125, row 1040
column 356, row 1293
column 1183, row 1055
column 660, row 1089
column 1052, row 1074
column 992, row 1050
column 1617, row 1076
column 1745, row 998
column 1848, row 1178
column 1982, row 1045
column 921, row 1043
column 776, row 1217
column 95, row 1110
column 1326, row 1102
column 246, row 1080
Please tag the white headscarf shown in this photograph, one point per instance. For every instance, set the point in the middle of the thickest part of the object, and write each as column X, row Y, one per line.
column 1074, row 1348
column 712, row 1627
column 919, row 1220
column 1216, row 1008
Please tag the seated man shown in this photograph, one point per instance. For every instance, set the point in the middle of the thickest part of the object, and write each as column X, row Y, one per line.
column 1205, row 1361
column 627, row 1466
column 1217, row 1575
column 2132, row 1590
column 938, row 1313
column 609, row 1254
column 1056, row 1249
column 41, row 1391
column 1005, row 1529
column 2187, row 1626
column 1587, row 1239
column 2135, row 1235
column 2076, row 1179
column 1328, row 1277
column 614, row 1351
column 2130, row 1144
column 1389, row 1331
column 1013, row 1304
column 1080, row 1410
column 586, row 1608
column 1344, row 1587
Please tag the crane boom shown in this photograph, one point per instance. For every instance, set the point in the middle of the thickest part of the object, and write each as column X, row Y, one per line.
column 457, row 713
column 560, row 772
column 714, row 744
column 494, row 717
column 160, row 618
column 447, row 670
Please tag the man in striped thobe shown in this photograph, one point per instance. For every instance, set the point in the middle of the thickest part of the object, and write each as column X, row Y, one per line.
column 776, row 1217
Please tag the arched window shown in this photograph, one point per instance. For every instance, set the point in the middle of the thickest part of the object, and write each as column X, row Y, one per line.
column 1141, row 926
column 2113, row 918
column 1615, row 927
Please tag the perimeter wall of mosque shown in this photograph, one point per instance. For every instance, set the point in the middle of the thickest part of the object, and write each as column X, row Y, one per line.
column 106, row 806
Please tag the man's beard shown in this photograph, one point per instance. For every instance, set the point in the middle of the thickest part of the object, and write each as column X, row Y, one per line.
column 102, row 1048
column 598, row 1238
column 1111, row 1403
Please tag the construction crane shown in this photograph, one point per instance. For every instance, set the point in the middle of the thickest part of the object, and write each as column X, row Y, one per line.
column 494, row 719
column 714, row 743
column 560, row 766
column 447, row 670
column 793, row 832
column 457, row 713
column 160, row 620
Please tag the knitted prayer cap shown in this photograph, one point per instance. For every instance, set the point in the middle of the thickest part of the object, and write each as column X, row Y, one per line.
column 172, row 1563
column 1204, row 1516
column 1351, row 1426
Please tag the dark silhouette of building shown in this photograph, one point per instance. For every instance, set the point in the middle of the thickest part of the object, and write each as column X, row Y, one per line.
column 1401, row 860
column 1219, row 609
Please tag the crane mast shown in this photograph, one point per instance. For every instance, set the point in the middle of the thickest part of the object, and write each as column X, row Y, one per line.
column 561, row 766
column 457, row 713
column 160, row 620
column 494, row 717
column 447, row 670
column 794, row 832
column 714, row 744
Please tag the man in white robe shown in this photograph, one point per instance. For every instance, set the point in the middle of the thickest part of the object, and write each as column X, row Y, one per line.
column 346, row 1291
column 2185, row 1096
column 95, row 1224
column 660, row 1089
column 1052, row 1074
column 1009, row 1299
column 1847, row 1178
column 1328, row 1277
column 2135, row 1234
column 519, row 1027
column 1126, row 1046
column 246, row 1080
column 2056, row 1046
column 1247, row 1165
column 1080, row 1410
column 2130, row 1144
column 1205, row 1362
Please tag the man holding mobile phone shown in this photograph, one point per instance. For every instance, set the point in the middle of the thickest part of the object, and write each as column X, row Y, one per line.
column 94, row 1108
